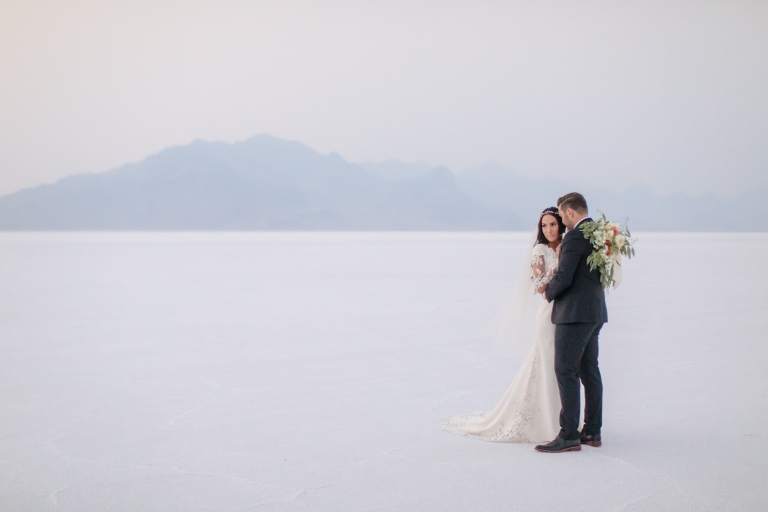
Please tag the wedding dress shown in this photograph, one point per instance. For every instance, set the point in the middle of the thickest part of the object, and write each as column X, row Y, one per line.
column 529, row 411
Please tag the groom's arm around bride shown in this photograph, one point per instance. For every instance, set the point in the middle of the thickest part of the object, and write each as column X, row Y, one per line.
column 578, row 313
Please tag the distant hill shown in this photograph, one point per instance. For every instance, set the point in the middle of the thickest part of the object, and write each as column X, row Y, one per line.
column 497, row 187
column 398, row 171
column 265, row 183
column 261, row 183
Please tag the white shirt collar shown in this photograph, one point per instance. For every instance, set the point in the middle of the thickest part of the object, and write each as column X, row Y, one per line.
column 582, row 220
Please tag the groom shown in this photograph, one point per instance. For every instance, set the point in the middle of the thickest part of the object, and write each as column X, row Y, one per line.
column 579, row 313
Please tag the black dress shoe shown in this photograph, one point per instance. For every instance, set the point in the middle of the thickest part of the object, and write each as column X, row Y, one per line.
column 560, row 445
column 591, row 440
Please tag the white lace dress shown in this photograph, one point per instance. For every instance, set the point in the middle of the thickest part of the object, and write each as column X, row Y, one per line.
column 529, row 410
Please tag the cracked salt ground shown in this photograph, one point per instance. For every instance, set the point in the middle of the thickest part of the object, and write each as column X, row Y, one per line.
column 308, row 371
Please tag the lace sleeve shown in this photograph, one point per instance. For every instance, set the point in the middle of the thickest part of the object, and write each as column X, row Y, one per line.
column 539, row 276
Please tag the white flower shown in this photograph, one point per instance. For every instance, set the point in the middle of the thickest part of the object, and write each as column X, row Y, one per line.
column 620, row 241
column 600, row 237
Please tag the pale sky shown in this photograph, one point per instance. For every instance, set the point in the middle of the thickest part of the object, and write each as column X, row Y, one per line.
column 671, row 94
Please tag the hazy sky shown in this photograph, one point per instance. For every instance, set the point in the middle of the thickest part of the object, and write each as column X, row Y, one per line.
column 672, row 94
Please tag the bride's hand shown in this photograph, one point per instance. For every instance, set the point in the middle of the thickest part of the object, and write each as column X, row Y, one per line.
column 557, row 251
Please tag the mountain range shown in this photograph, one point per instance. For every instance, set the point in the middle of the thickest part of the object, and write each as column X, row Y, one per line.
column 265, row 183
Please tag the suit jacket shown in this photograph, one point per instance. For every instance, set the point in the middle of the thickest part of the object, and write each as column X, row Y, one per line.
column 576, row 290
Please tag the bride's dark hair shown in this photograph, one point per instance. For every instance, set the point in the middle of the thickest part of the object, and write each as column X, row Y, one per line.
column 540, row 238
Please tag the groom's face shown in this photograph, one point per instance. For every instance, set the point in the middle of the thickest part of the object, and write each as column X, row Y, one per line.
column 567, row 219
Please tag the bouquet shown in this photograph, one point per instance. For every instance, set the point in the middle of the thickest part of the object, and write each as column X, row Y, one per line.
column 610, row 242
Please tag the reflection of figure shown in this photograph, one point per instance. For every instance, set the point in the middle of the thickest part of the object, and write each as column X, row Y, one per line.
column 528, row 411
column 578, row 313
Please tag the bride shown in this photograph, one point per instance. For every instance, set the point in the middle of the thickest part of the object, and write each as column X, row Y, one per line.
column 529, row 410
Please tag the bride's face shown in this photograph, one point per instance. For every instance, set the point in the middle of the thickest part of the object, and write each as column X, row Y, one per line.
column 550, row 228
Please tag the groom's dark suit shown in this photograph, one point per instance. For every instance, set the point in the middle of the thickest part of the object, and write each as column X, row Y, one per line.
column 578, row 313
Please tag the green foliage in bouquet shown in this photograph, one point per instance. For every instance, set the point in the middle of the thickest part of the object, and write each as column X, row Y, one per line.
column 610, row 241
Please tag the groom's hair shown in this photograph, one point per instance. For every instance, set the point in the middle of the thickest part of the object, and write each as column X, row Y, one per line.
column 574, row 201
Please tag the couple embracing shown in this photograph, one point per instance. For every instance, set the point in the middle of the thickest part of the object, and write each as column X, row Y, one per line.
column 543, row 401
